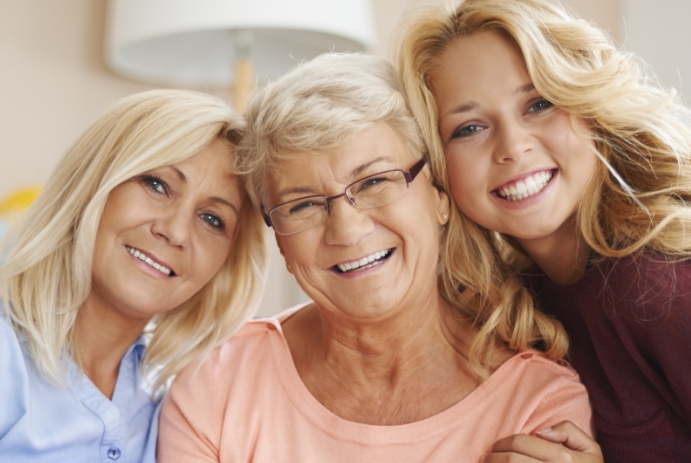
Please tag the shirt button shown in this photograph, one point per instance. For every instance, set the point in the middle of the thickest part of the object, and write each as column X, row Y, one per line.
column 563, row 363
column 114, row 453
column 526, row 356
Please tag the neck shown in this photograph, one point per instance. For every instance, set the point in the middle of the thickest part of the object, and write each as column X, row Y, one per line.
column 563, row 255
column 406, row 335
column 103, row 336
column 395, row 370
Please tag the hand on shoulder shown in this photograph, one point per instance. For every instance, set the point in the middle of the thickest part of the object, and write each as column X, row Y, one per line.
column 564, row 442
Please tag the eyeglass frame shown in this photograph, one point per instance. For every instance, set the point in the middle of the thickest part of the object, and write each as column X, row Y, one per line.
column 409, row 176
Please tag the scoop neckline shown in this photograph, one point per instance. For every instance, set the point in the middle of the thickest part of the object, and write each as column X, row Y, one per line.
column 323, row 418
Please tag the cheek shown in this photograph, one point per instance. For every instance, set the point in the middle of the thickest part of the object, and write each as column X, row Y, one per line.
column 210, row 260
column 579, row 158
column 466, row 179
column 300, row 248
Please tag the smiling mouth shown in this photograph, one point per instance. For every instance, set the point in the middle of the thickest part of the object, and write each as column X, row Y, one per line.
column 526, row 187
column 147, row 260
column 370, row 261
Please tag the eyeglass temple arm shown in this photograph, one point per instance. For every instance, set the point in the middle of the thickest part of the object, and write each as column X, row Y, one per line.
column 267, row 219
column 412, row 173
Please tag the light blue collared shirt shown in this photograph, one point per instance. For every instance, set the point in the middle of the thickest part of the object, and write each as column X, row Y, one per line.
column 43, row 422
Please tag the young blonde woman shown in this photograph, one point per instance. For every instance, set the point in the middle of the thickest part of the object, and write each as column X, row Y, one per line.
column 144, row 220
column 547, row 134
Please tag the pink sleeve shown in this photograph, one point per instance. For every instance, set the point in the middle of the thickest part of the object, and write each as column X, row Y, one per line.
column 569, row 402
column 188, row 430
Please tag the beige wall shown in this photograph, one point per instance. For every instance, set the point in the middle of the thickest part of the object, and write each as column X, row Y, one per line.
column 53, row 85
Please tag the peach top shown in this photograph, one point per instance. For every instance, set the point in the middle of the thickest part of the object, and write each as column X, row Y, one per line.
column 247, row 403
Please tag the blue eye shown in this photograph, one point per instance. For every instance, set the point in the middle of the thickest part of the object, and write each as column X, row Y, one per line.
column 213, row 220
column 540, row 106
column 467, row 131
column 154, row 183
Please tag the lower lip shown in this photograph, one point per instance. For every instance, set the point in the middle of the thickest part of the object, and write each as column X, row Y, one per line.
column 529, row 201
column 146, row 268
column 365, row 271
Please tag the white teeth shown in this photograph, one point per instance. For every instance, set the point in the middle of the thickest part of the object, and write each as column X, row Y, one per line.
column 143, row 258
column 366, row 262
column 529, row 186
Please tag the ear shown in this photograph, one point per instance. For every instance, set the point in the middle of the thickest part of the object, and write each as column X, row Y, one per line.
column 443, row 207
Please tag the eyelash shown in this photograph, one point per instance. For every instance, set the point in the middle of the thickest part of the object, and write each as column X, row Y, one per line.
column 149, row 180
column 460, row 132
column 221, row 224
column 549, row 104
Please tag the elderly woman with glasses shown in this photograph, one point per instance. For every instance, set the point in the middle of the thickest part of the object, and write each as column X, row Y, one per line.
column 380, row 366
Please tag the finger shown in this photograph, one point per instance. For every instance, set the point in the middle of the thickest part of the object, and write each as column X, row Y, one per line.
column 571, row 436
column 528, row 446
column 507, row 457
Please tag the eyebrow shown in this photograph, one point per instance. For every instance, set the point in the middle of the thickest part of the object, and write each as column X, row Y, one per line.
column 218, row 200
column 180, row 174
column 353, row 174
column 527, row 88
column 465, row 107
column 299, row 189
column 215, row 199
column 363, row 167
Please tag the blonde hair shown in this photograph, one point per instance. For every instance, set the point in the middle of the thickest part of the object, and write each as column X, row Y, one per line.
column 47, row 275
column 641, row 133
column 317, row 107
column 503, row 308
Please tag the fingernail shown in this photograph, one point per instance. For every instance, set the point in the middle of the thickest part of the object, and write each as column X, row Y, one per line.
column 546, row 430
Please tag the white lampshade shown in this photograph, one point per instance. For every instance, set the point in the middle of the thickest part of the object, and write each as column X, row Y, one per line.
column 195, row 42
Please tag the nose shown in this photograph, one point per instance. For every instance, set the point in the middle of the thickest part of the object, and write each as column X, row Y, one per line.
column 174, row 225
column 346, row 224
column 513, row 141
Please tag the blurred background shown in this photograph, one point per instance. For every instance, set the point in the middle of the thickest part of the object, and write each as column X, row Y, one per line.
column 54, row 83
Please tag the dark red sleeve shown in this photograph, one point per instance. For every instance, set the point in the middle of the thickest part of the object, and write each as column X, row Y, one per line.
column 659, row 328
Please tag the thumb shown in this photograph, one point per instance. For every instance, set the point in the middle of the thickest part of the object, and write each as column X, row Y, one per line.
column 571, row 436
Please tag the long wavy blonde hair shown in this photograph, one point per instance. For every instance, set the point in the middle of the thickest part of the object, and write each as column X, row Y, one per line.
column 47, row 274
column 639, row 194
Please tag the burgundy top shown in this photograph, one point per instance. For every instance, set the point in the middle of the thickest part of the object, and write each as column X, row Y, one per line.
column 629, row 321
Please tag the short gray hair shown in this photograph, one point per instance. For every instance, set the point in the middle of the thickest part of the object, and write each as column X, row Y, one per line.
column 318, row 106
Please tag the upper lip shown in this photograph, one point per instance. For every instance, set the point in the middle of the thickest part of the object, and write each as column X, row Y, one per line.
column 521, row 177
column 154, row 258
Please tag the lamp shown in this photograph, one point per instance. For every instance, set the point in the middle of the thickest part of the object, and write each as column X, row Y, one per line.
column 210, row 42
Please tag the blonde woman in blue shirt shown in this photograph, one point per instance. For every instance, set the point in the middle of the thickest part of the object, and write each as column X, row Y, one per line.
column 141, row 254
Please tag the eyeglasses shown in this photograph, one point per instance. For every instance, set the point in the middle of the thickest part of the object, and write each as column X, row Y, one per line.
column 367, row 193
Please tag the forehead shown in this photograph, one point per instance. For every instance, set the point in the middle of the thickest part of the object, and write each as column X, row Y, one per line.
column 210, row 174
column 376, row 148
column 483, row 60
column 216, row 160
